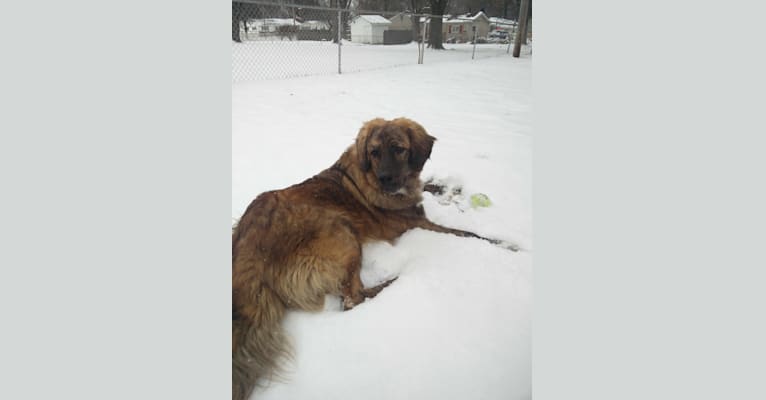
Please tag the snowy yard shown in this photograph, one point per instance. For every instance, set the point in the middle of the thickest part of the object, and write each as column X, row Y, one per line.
column 457, row 323
column 260, row 60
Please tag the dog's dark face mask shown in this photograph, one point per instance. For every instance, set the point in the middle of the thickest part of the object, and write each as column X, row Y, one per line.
column 388, row 151
column 393, row 152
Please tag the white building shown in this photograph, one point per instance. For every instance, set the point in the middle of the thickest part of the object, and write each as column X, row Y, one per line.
column 368, row 29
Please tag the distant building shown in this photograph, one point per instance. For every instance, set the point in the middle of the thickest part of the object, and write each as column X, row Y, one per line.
column 460, row 28
column 368, row 29
column 502, row 24
column 401, row 21
column 400, row 31
column 268, row 25
column 272, row 28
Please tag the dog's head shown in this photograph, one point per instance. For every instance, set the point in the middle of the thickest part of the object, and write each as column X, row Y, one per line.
column 392, row 153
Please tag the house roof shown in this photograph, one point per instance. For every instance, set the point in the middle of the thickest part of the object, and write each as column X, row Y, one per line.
column 502, row 21
column 464, row 17
column 424, row 19
column 460, row 18
column 375, row 19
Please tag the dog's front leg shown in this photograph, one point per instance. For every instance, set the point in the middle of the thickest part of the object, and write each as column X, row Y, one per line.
column 431, row 226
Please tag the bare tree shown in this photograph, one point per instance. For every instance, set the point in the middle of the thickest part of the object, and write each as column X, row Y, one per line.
column 522, row 28
column 236, row 20
column 333, row 18
column 506, row 4
column 416, row 6
column 240, row 13
column 526, row 22
column 379, row 5
column 435, row 26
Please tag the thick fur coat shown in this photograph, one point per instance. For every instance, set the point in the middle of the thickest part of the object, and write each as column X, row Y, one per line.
column 296, row 245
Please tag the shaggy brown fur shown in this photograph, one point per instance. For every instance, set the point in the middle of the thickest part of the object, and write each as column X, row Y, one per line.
column 294, row 246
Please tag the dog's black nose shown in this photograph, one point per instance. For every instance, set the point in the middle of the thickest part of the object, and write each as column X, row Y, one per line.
column 388, row 182
column 385, row 179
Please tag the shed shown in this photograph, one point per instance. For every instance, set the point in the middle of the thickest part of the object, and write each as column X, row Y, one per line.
column 368, row 29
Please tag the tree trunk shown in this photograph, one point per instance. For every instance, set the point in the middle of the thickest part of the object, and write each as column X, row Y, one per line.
column 236, row 15
column 435, row 36
column 334, row 29
column 522, row 28
column 524, row 32
column 435, row 24
column 334, row 26
column 344, row 19
column 415, row 21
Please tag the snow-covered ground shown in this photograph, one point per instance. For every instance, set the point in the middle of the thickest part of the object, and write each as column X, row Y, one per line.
column 456, row 324
column 274, row 59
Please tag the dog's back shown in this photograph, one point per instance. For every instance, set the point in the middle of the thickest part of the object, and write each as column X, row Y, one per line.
column 292, row 247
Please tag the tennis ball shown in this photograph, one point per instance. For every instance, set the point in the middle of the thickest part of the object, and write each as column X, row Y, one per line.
column 480, row 200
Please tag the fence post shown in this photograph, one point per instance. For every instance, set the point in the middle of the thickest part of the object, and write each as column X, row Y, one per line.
column 420, row 43
column 422, row 46
column 339, row 37
column 473, row 54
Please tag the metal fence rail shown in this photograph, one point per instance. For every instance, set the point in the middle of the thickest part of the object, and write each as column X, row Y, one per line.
column 272, row 40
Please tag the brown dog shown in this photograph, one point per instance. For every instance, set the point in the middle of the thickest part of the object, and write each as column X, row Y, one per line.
column 296, row 245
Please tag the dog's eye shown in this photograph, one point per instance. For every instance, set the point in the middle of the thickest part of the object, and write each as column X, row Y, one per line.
column 398, row 150
column 375, row 153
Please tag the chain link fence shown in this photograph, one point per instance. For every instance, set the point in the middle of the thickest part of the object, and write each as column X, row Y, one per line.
column 280, row 40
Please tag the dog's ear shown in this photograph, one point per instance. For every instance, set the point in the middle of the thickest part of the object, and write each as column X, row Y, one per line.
column 420, row 142
column 361, row 142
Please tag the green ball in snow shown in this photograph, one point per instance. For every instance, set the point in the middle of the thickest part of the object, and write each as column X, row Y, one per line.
column 480, row 200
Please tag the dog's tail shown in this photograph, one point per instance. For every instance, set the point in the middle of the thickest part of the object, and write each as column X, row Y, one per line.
column 259, row 343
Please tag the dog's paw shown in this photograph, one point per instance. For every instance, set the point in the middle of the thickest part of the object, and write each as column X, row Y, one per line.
column 349, row 303
column 446, row 192
column 504, row 244
column 509, row 246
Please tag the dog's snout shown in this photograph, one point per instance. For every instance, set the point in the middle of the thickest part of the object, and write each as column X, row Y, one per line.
column 385, row 179
column 388, row 182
